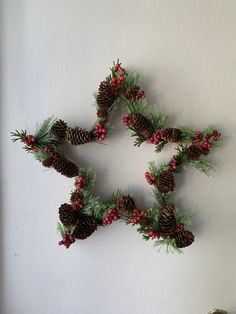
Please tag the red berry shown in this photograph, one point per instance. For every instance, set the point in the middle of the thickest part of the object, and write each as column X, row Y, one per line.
column 114, row 81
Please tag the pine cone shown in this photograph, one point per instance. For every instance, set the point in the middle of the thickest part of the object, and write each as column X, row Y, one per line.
column 48, row 162
column 105, row 97
column 167, row 221
column 67, row 215
column 165, row 182
column 76, row 197
column 125, row 204
column 172, row 135
column 86, row 225
column 77, row 136
column 183, row 238
column 65, row 167
column 142, row 125
column 102, row 114
column 59, row 129
column 194, row 151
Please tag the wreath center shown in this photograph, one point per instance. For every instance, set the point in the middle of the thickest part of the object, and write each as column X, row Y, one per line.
column 162, row 221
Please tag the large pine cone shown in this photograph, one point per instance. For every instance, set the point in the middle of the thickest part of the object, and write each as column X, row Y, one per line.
column 105, row 97
column 183, row 238
column 86, row 225
column 125, row 204
column 167, row 222
column 165, row 182
column 76, row 197
column 67, row 215
column 172, row 135
column 59, row 129
column 194, row 151
column 142, row 125
column 65, row 167
column 77, row 136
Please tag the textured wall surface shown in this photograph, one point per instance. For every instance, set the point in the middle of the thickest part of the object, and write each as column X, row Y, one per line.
column 54, row 53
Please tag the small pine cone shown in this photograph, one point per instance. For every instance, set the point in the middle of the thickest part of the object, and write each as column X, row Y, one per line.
column 48, row 162
column 106, row 96
column 86, row 225
column 67, row 215
column 165, row 182
column 77, row 136
column 65, row 167
column 142, row 125
column 194, row 151
column 59, row 129
column 172, row 135
column 102, row 114
column 125, row 204
column 143, row 222
column 167, row 222
column 76, row 197
column 183, row 238
column 205, row 151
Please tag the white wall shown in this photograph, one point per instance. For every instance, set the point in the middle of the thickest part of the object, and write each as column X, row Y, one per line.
column 54, row 53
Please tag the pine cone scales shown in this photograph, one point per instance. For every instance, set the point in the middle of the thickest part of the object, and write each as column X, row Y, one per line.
column 167, row 221
column 125, row 203
column 59, row 129
column 142, row 125
column 48, row 162
column 67, row 215
column 183, row 238
column 86, row 225
column 105, row 97
column 194, row 151
column 165, row 182
column 77, row 136
column 172, row 135
column 76, row 196
column 65, row 167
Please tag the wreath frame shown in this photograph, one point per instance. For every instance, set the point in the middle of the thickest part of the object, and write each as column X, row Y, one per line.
column 163, row 221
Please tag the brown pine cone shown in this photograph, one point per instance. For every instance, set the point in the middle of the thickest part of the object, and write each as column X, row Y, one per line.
column 142, row 125
column 172, row 135
column 194, row 151
column 125, row 204
column 76, row 197
column 59, row 129
column 105, row 97
column 165, row 182
column 102, row 114
column 167, row 222
column 86, row 225
column 65, row 167
column 183, row 238
column 132, row 93
column 67, row 215
column 48, row 162
column 77, row 136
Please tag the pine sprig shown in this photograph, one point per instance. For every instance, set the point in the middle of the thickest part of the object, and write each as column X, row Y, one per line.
column 170, row 245
column 162, row 198
column 157, row 119
column 90, row 177
column 188, row 135
column 18, row 135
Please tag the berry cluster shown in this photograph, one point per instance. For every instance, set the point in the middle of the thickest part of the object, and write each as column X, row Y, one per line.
column 117, row 79
column 49, row 151
column 112, row 215
column 80, row 182
column 153, row 235
column 30, row 140
column 78, row 206
column 180, row 227
column 150, row 178
column 137, row 215
column 67, row 240
column 156, row 138
column 134, row 93
column 207, row 140
column 127, row 120
column 173, row 164
column 100, row 132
